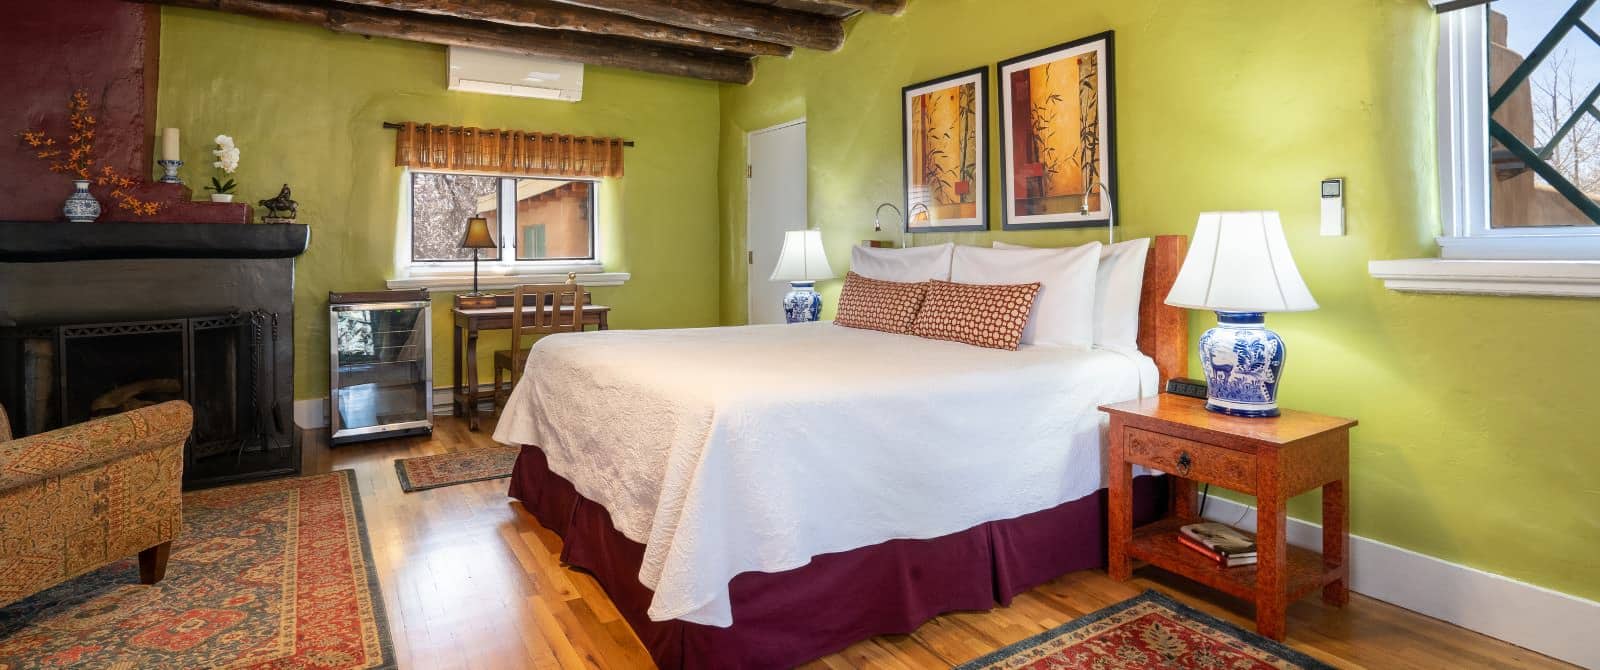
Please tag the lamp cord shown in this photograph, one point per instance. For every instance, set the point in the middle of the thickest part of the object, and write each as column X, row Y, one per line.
column 1111, row 211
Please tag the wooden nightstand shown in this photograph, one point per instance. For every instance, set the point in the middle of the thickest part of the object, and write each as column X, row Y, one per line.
column 1273, row 459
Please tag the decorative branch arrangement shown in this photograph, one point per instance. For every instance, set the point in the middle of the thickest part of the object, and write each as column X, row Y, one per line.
column 78, row 161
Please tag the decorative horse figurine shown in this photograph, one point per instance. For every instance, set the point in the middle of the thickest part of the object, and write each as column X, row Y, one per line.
column 281, row 207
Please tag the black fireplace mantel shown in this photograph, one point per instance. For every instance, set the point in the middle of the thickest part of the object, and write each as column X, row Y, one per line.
column 52, row 241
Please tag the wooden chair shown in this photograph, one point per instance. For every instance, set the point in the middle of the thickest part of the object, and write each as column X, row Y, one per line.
column 536, row 323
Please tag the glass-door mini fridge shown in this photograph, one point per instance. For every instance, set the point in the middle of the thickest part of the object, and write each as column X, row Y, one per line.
column 381, row 365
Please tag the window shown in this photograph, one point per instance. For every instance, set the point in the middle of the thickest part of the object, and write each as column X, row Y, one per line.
column 545, row 228
column 534, row 219
column 1519, row 152
column 1519, row 130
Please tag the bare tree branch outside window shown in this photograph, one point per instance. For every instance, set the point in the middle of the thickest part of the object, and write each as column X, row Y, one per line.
column 440, row 207
column 1556, row 96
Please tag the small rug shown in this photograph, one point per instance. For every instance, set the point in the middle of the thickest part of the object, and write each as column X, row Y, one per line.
column 274, row 574
column 457, row 467
column 1148, row 631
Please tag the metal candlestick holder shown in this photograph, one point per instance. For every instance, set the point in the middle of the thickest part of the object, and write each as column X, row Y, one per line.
column 171, row 167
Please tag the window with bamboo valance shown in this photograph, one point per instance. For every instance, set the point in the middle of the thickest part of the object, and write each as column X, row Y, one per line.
column 431, row 147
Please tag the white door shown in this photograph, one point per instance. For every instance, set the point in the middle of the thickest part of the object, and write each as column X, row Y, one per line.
column 776, row 184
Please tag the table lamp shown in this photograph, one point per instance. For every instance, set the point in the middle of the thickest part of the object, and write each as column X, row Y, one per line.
column 1239, row 266
column 801, row 263
column 477, row 238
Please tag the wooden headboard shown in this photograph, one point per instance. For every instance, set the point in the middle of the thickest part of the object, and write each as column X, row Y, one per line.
column 1164, row 329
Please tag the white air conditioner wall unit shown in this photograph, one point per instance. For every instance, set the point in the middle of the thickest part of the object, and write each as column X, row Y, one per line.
column 481, row 71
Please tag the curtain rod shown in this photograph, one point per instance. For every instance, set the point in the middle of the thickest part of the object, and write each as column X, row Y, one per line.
column 396, row 126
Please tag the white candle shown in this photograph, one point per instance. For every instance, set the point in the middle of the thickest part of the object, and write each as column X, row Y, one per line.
column 169, row 144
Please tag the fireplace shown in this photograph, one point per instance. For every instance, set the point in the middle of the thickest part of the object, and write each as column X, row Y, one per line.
column 220, row 364
column 101, row 318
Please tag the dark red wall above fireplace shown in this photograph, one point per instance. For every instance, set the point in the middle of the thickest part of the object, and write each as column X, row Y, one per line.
column 49, row 49
column 108, row 48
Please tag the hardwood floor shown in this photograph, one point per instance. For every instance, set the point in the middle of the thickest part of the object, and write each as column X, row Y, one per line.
column 470, row 580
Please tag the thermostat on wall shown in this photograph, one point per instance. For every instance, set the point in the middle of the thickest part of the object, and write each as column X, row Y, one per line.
column 1333, row 207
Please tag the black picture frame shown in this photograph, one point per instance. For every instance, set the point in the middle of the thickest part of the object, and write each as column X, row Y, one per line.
column 1106, row 177
column 978, row 76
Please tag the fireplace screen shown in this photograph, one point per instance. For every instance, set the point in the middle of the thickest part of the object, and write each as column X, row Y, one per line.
column 222, row 365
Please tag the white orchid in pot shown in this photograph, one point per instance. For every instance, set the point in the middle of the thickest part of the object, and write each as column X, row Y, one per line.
column 227, row 161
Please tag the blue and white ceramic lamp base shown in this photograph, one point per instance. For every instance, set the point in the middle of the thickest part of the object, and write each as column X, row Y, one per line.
column 802, row 303
column 1243, row 362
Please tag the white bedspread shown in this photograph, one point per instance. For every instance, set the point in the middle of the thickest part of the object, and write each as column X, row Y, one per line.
column 725, row 450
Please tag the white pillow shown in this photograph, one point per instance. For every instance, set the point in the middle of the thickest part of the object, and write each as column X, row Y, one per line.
column 914, row 264
column 1119, row 284
column 1063, row 312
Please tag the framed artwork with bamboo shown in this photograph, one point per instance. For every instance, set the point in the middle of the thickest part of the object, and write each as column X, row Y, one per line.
column 946, row 132
column 1058, row 153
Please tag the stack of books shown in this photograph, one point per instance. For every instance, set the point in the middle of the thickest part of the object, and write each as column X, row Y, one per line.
column 1228, row 546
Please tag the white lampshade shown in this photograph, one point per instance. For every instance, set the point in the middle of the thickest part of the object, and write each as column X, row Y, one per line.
column 802, row 258
column 1240, row 262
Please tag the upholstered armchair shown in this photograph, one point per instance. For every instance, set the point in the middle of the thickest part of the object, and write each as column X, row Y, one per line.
column 81, row 497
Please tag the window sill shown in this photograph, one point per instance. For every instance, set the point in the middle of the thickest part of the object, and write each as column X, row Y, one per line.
column 1530, row 244
column 1562, row 278
column 463, row 282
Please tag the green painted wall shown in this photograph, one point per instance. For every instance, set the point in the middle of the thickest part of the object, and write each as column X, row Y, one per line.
column 1476, row 442
column 306, row 105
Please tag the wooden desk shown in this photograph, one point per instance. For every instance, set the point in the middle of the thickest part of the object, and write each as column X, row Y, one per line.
column 468, row 323
column 1271, row 458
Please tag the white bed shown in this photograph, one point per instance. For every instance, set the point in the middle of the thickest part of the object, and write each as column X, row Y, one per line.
column 726, row 450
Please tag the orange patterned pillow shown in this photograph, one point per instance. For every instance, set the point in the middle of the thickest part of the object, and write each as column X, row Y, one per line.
column 876, row 304
column 986, row 315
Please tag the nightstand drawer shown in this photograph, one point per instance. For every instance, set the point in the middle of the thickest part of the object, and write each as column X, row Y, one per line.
column 1191, row 460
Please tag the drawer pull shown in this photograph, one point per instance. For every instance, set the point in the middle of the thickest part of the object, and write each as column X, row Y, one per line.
column 1184, row 463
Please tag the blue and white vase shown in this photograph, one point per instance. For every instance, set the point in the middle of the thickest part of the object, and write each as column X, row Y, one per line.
column 802, row 303
column 81, row 207
column 1243, row 362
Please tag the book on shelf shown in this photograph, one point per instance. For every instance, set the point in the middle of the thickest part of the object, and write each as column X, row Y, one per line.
column 1221, row 538
column 1224, row 561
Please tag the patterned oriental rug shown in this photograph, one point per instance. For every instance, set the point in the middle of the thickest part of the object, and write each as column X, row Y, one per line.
column 1148, row 631
column 274, row 574
column 456, row 467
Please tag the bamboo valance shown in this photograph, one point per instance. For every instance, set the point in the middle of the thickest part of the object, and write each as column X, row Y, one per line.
column 434, row 147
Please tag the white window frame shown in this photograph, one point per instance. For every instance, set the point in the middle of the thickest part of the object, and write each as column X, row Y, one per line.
column 1474, row 257
column 1464, row 169
column 506, row 271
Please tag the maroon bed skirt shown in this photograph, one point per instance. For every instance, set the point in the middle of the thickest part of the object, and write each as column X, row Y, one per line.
column 786, row 618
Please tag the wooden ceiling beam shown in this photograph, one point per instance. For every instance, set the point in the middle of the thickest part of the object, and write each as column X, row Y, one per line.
column 557, row 16
column 587, row 48
column 725, row 17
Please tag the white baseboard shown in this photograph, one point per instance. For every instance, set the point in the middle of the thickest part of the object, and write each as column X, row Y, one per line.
column 312, row 413
column 1550, row 622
